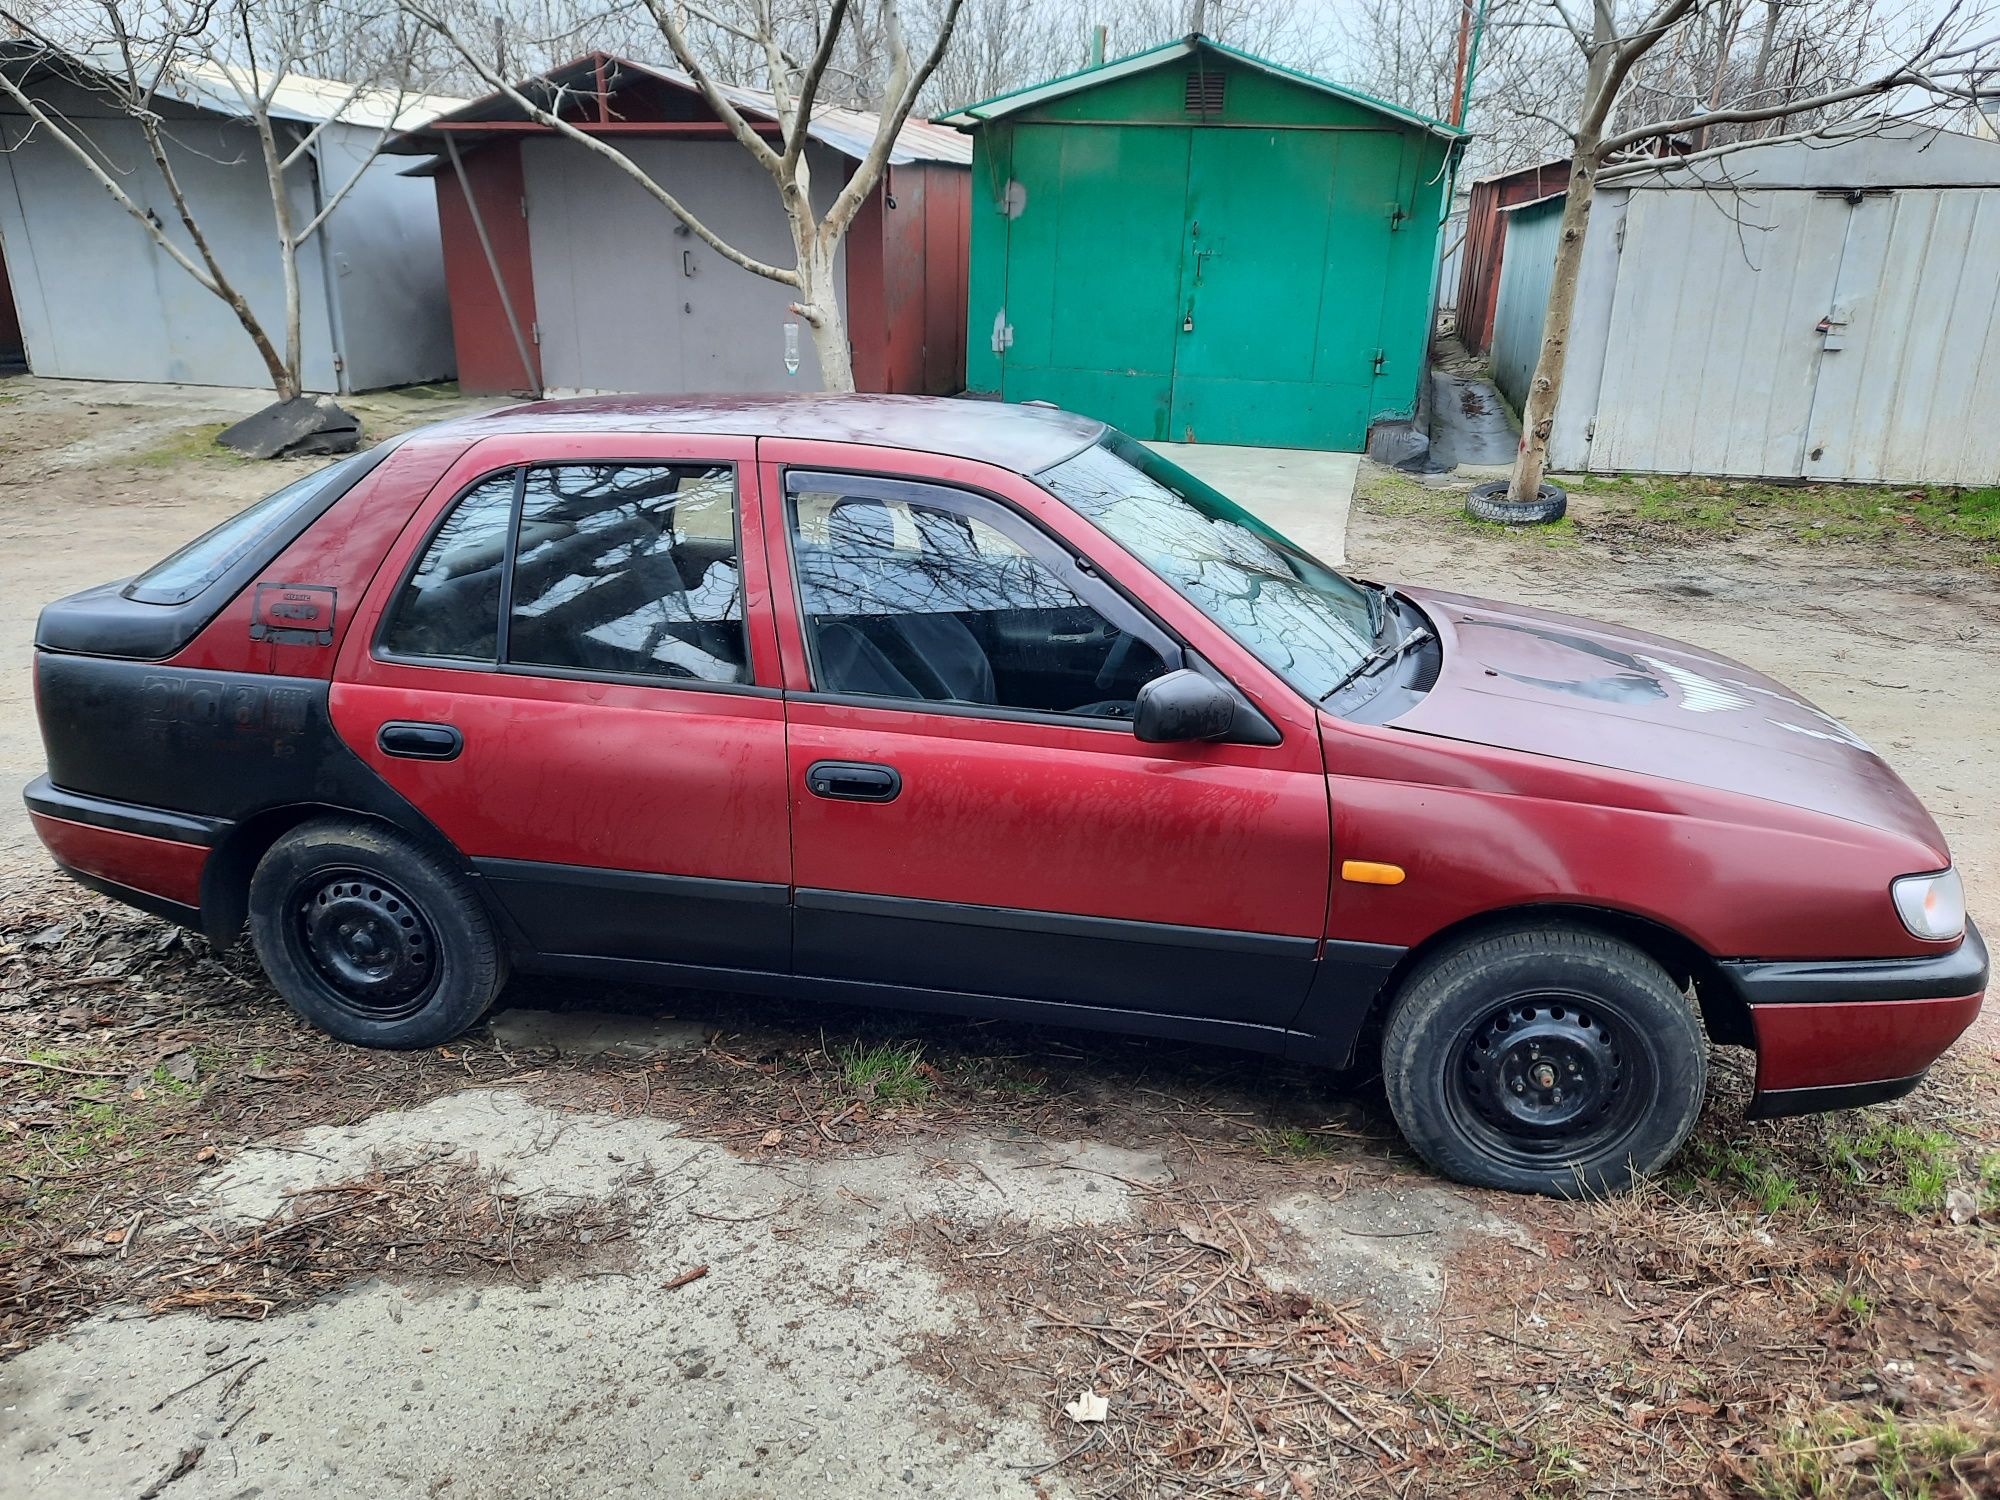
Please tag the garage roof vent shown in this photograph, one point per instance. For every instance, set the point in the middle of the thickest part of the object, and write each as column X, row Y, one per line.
column 1204, row 93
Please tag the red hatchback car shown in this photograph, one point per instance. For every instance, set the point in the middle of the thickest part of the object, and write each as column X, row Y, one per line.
column 988, row 709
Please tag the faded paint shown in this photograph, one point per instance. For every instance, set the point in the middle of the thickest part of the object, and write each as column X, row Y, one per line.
column 1259, row 276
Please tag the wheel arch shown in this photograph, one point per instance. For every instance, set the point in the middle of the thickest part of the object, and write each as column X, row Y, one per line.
column 1723, row 1013
column 225, row 877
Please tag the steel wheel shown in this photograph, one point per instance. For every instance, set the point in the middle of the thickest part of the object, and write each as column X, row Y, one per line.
column 367, row 942
column 1543, row 1078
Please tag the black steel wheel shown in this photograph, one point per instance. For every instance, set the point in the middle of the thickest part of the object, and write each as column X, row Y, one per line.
column 1548, row 1059
column 371, row 937
column 369, row 943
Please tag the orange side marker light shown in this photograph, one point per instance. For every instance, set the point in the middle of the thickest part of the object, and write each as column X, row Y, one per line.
column 1369, row 872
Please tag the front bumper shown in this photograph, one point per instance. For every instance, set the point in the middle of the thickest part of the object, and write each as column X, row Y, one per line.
column 1847, row 1032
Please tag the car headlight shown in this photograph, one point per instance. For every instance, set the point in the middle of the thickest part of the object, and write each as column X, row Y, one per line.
column 1931, row 906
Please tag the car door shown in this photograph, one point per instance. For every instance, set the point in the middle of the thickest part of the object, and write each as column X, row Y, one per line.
column 971, row 812
column 567, row 666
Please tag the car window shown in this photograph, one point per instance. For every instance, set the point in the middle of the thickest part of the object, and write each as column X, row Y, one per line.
column 950, row 598
column 450, row 608
column 178, row 578
column 630, row 568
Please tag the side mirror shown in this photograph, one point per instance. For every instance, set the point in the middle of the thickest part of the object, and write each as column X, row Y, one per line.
column 1183, row 705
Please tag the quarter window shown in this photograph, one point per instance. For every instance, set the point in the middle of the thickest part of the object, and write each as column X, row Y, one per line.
column 919, row 593
column 619, row 568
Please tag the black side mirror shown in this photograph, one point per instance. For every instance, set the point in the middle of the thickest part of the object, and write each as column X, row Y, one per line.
column 1183, row 705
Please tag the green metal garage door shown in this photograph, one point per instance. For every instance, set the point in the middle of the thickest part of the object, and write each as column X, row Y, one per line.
column 1203, row 285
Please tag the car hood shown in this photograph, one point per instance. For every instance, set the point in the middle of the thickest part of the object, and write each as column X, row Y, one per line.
column 1550, row 684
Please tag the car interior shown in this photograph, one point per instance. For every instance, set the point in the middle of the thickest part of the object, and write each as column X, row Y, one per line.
column 908, row 601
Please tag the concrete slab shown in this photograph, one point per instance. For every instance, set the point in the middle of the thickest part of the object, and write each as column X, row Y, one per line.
column 592, row 1033
column 1300, row 491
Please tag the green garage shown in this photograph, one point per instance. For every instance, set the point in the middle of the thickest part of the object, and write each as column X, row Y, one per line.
column 1197, row 245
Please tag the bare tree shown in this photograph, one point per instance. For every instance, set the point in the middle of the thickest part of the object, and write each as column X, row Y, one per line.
column 241, row 50
column 1945, row 59
column 795, row 77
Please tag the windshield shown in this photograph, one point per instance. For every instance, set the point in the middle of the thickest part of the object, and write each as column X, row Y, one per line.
column 1295, row 614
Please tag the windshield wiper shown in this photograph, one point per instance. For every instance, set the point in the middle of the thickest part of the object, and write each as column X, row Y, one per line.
column 1374, row 661
column 1378, row 611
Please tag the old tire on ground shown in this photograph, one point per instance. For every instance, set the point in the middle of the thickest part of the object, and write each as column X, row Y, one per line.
column 371, row 937
column 1545, row 1059
column 1489, row 502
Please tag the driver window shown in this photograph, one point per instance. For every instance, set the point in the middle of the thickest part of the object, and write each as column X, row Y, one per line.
column 954, row 601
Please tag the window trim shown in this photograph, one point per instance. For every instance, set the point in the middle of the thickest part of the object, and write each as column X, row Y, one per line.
column 501, row 666
column 1173, row 652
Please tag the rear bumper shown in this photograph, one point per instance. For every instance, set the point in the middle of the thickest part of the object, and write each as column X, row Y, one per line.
column 148, row 857
column 1844, row 1033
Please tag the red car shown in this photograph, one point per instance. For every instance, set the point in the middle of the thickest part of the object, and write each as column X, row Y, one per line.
column 988, row 709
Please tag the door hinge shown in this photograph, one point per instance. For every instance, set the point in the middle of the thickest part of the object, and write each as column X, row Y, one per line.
column 1618, row 236
column 1397, row 214
column 1381, row 359
column 534, row 333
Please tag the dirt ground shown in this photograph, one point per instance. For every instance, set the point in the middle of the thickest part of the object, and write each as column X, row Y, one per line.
column 617, row 1243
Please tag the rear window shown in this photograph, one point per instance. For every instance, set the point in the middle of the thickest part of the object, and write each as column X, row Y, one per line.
column 201, row 562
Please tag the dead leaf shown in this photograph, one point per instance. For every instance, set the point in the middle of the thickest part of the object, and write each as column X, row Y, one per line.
column 773, row 1138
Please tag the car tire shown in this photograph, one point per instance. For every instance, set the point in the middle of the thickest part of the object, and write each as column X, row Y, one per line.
column 371, row 937
column 1489, row 502
column 1484, row 1039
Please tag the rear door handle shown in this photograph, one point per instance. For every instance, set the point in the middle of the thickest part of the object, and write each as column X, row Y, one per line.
column 420, row 741
column 853, row 781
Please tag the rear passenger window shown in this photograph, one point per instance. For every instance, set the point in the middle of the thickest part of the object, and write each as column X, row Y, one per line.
column 630, row 569
column 619, row 568
column 451, row 606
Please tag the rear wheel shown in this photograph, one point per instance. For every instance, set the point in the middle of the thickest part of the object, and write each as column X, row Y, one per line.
column 371, row 937
column 1545, row 1060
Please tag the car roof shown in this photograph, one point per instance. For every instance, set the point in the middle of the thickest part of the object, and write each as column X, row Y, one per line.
column 1026, row 439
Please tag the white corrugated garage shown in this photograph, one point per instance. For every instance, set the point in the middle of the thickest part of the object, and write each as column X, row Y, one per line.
column 1798, row 310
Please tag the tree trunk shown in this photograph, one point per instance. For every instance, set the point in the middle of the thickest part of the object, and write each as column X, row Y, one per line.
column 819, row 304
column 1538, row 413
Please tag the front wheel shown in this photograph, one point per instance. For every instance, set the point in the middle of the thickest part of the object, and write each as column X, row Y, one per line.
column 1545, row 1060
column 371, row 937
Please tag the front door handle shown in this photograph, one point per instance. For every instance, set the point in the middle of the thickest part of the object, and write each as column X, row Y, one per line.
column 853, row 781
column 420, row 741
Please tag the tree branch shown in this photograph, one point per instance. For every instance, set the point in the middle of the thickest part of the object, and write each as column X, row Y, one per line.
column 755, row 144
column 795, row 136
column 602, row 148
column 900, row 99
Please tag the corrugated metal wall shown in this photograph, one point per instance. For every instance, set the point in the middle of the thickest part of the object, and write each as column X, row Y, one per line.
column 1524, row 296
column 1915, row 394
column 1697, row 345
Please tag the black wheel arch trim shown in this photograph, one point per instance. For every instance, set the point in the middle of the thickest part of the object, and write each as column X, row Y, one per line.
column 1962, row 971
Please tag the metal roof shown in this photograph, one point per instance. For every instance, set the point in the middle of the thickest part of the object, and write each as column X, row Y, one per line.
column 214, row 88
column 1001, row 105
column 848, row 131
column 1026, row 439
